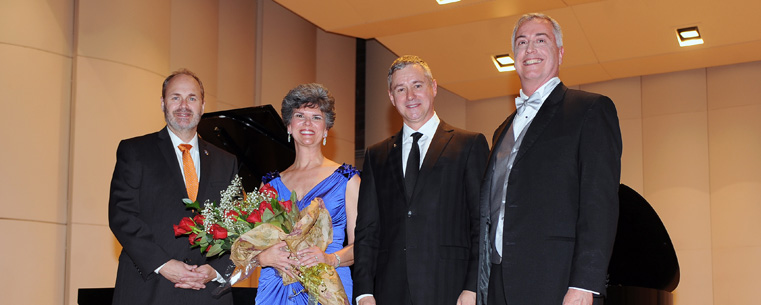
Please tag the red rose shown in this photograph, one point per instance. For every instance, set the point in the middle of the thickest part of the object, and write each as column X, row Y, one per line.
column 265, row 205
column 232, row 214
column 254, row 217
column 199, row 219
column 268, row 191
column 218, row 232
column 178, row 231
column 192, row 238
column 287, row 205
column 186, row 225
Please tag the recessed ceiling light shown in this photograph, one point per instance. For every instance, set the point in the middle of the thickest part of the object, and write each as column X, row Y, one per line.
column 442, row 2
column 503, row 62
column 689, row 36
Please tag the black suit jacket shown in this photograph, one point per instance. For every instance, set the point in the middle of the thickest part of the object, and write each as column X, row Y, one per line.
column 147, row 189
column 561, row 202
column 429, row 243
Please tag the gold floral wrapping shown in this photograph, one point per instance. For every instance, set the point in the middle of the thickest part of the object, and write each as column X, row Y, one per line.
column 314, row 228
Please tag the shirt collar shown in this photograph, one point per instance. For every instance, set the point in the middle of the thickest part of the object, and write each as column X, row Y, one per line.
column 176, row 141
column 428, row 129
column 545, row 90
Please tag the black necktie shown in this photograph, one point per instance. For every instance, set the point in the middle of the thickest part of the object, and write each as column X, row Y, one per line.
column 413, row 166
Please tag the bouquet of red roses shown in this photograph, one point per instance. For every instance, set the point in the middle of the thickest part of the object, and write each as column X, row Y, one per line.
column 314, row 228
column 217, row 226
column 245, row 224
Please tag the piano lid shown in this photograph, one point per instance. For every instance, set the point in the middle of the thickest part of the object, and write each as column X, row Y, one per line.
column 256, row 135
column 643, row 255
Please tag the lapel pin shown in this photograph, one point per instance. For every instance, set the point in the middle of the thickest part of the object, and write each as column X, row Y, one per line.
column 206, row 152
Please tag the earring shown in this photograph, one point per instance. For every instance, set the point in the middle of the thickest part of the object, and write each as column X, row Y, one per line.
column 289, row 137
column 324, row 140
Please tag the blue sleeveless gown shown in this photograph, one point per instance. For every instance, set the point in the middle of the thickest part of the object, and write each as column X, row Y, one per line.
column 332, row 190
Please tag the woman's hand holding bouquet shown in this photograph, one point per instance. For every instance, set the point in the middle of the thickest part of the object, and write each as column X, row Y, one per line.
column 257, row 228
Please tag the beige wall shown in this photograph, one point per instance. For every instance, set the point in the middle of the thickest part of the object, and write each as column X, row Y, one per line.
column 336, row 70
column 692, row 141
column 35, row 90
column 381, row 119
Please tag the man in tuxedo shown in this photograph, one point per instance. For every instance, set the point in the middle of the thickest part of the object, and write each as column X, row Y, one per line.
column 417, row 225
column 549, row 199
column 153, row 174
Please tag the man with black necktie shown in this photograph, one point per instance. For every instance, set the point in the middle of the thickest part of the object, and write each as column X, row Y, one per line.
column 549, row 199
column 416, row 239
column 153, row 173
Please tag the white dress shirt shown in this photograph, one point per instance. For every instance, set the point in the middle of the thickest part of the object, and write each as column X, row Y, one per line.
column 428, row 130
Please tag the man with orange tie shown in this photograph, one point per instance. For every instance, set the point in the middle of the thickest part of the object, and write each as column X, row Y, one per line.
column 153, row 174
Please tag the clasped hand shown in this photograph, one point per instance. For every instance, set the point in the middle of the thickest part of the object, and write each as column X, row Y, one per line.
column 278, row 257
column 187, row 276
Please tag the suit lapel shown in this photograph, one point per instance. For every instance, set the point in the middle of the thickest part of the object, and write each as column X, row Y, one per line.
column 167, row 150
column 541, row 120
column 395, row 161
column 440, row 140
column 205, row 160
column 438, row 143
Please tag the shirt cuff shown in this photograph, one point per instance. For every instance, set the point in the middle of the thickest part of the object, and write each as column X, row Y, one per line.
column 593, row 292
column 159, row 268
column 219, row 278
column 362, row 296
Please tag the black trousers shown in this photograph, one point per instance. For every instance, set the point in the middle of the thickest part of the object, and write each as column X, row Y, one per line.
column 497, row 289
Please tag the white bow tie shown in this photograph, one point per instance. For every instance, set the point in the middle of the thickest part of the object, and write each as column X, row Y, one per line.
column 534, row 101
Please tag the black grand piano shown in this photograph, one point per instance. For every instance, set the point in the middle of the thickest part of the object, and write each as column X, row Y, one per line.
column 643, row 270
column 256, row 135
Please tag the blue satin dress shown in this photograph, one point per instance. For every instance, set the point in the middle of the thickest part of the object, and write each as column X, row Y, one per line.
column 332, row 190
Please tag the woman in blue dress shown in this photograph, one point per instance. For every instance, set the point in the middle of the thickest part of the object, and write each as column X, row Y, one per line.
column 309, row 112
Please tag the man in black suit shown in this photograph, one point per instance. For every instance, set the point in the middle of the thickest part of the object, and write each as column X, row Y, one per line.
column 417, row 224
column 152, row 176
column 549, row 203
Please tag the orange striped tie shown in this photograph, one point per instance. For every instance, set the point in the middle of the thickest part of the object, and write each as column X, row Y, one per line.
column 191, row 180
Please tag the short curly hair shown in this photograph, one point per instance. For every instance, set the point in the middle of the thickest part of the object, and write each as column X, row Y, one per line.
column 309, row 95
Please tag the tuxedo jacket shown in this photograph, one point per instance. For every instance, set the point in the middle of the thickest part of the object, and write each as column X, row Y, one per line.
column 561, row 207
column 428, row 245
column 147, row 189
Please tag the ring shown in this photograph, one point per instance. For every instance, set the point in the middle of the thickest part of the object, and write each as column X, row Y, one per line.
column 315, row 257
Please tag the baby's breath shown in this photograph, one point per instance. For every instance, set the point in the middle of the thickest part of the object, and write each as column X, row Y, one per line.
column 236, row 213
